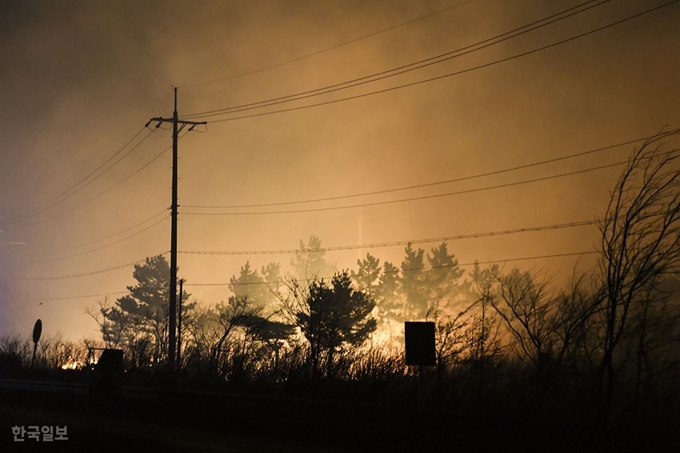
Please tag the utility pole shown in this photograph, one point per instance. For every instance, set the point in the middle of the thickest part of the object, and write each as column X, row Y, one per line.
column 177, row 127
column 179, row 326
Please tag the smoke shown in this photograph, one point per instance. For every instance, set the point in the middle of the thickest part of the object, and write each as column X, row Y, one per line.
column 80, row 79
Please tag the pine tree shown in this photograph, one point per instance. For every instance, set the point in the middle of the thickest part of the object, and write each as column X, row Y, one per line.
column 332, row 316
column 310, row 262
column 255, row 286
column 414, row 284
column 139, row 320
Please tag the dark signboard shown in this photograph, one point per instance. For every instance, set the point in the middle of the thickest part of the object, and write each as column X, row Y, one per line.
column 37, row 330
column 419, row 337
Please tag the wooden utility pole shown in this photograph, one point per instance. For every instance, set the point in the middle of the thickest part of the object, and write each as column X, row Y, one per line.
column 179, row 326
column 177, row 127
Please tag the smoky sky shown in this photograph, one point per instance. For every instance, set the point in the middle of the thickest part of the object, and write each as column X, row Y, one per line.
column 80, row 79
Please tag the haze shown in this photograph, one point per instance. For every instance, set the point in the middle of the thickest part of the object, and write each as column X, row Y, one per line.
column 80, row 79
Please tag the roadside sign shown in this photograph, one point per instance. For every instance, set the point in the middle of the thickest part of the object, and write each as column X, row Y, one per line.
column 37, row 331
column 419, row 338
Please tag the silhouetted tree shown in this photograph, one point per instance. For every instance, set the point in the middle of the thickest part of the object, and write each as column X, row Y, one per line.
column 382, row 284
column 525, row 304
column 330, row 316
column 443, row 280
column 242, row 330
column 256, row 286
column 368, row 275
column 482, row 338
column 387, row 294
column 640, row 244
column 574, row 325
column 652, row 345
column 274, row 334
column 449, row 338
column 229, row 317
column 310, row 262
column 203, row 333
column 112, row 325
column 438, row 285
column 139, row 320
column 413, row 284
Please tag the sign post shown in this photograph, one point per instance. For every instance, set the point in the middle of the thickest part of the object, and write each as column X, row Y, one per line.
column 420, row 350
column 37, row 331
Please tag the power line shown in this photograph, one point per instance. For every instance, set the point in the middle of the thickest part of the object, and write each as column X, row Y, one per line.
column 396, row 243
column 51, row 299
column 402, row 200
column 89, row 200
column 85, row 274
column 404, row 68
column 255, row 71
column 107, row 245
column 397, row 270
column 337, row 248
column 82, row 183
column 444, row 76
column 77, row 187
column 423, row 197
column 507, row 260
column 418, row 186
column 83, row 244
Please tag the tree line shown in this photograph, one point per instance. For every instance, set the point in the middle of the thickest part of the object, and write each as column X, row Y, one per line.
column 606, row 344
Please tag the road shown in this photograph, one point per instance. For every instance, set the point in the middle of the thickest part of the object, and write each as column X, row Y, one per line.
column 171, row 420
